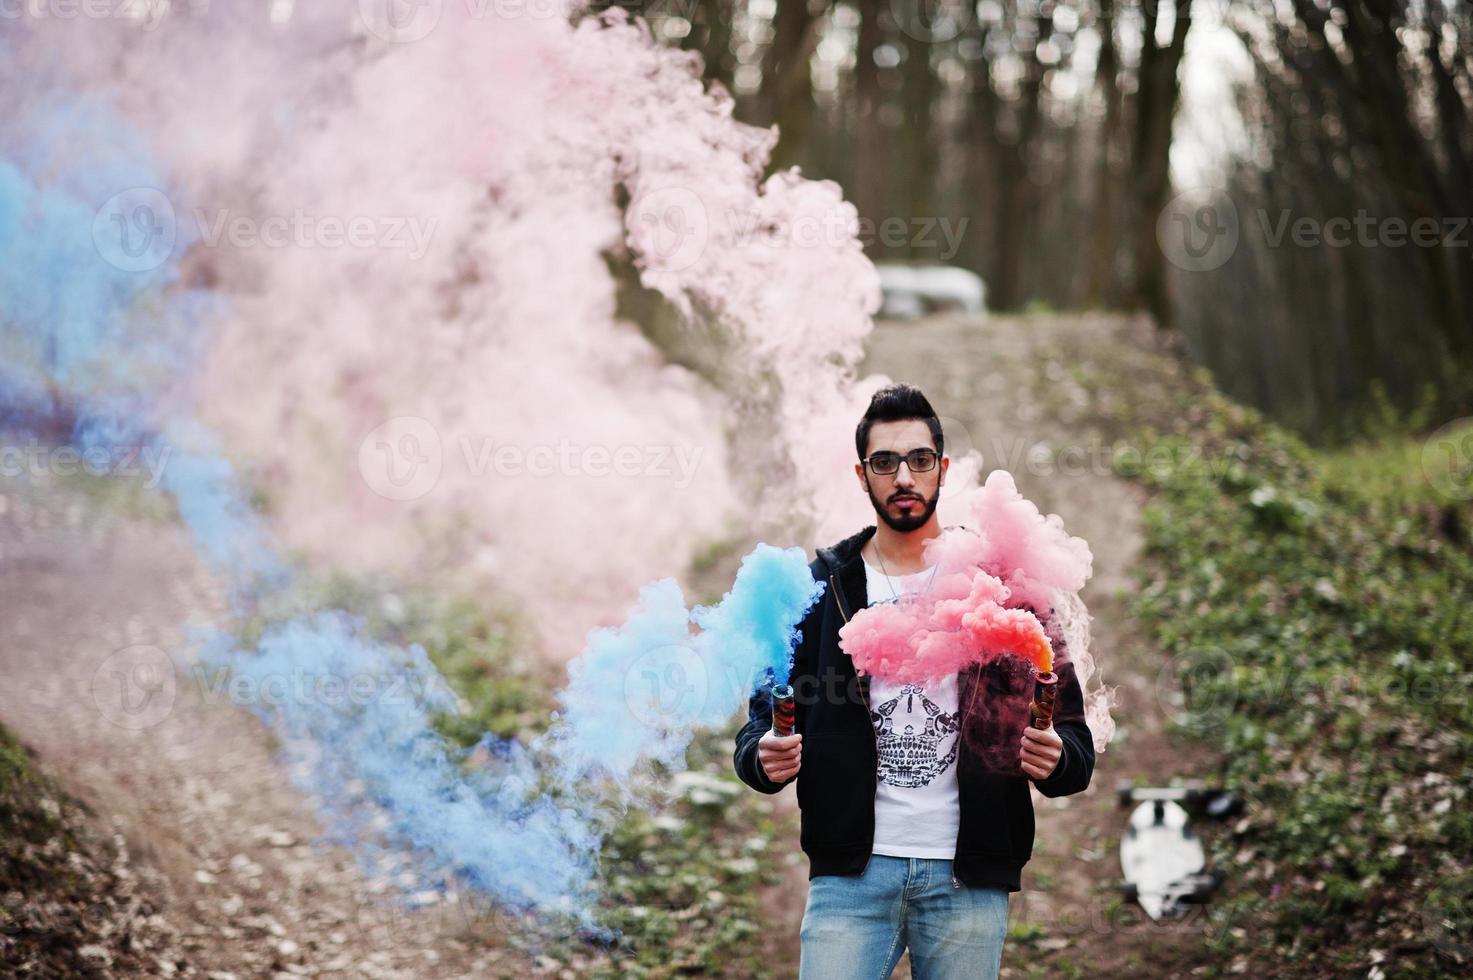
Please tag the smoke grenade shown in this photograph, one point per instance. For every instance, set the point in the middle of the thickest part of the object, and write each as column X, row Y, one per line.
column 782, row 710
column 1045, row 689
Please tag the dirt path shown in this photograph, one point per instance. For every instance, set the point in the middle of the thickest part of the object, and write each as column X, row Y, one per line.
column 93, row 605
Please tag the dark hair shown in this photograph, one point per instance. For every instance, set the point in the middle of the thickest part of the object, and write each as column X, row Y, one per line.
column 894, row 403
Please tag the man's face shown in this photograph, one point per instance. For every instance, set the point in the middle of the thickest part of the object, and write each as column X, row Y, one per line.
column 903, row 500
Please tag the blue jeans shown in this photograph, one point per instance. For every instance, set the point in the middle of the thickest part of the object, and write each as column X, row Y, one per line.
column 856, row 927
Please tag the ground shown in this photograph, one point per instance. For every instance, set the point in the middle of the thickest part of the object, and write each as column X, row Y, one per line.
column 239, row 886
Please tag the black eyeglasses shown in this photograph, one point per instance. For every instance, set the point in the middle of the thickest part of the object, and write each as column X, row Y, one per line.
column 919, row 461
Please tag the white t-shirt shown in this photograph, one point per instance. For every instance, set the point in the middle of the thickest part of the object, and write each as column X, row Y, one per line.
column 917, row 809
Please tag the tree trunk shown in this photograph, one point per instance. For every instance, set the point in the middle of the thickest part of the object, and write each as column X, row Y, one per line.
column 787, row 84
column 869, row 143
column 1156, row 102
column 1014, row 186
column 1101, row 288
column 920, row 170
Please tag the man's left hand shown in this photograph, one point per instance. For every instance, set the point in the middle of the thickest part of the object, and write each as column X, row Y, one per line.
column 1042, row 750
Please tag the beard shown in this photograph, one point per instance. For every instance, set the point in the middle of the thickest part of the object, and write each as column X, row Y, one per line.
column 914, row 521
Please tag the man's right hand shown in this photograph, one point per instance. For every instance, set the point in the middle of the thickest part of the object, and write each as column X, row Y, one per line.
column 780, row 756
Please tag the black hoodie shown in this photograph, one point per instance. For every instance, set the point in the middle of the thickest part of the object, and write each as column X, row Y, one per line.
column 839, row 774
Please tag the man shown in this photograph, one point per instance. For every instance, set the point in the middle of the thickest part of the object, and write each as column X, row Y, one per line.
column 912, row 842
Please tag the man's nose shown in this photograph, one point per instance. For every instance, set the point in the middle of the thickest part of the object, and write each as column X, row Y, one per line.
column 903, row 476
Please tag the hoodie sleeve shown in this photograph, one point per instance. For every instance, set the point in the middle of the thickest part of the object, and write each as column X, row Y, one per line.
column 759, row 722
column 1077, row 764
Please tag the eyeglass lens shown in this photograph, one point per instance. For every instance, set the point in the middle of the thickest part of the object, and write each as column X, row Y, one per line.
column 919, row 461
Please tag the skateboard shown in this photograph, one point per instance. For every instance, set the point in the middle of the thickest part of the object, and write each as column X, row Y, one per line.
column 1161, row 857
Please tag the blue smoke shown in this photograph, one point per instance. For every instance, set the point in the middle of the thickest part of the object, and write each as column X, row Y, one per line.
column 356, row 718
column 638, row 692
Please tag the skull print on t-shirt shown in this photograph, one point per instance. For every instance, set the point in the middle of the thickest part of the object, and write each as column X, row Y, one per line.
column 917, row 739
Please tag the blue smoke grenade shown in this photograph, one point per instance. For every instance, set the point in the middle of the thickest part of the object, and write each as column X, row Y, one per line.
column 97, row 334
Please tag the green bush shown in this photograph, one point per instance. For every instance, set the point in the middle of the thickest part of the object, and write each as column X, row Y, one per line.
column 1315, row 605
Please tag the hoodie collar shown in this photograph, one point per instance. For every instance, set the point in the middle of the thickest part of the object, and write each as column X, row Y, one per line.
column 845, row 572
column 838, row 555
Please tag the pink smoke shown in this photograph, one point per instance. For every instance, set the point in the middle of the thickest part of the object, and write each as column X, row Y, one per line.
column 537, row 156
column 1008, row 582
column 533, row 176
column 961, row 623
